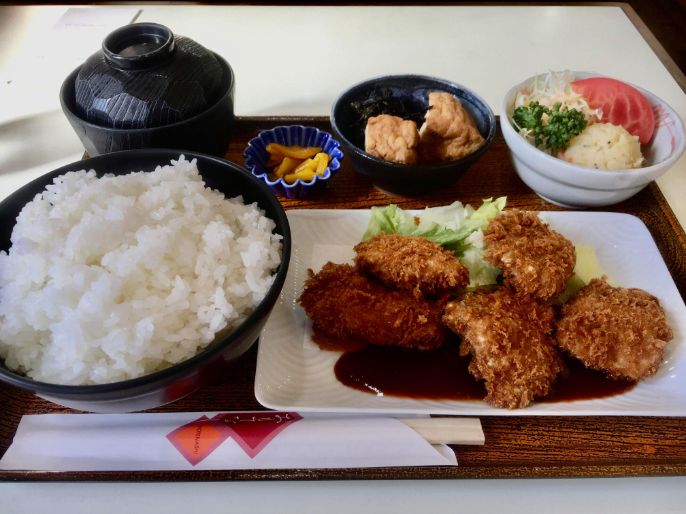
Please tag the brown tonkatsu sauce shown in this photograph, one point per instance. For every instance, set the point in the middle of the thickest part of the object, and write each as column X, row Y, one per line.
column 442, row 374
column 581, row 383
column 432, row 374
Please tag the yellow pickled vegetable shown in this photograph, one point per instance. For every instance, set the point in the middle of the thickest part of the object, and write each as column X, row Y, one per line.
column 322, row 160
column 307, row 164
column 306, row 175
column 291, row 163
column 288, row 164
column 297, row 152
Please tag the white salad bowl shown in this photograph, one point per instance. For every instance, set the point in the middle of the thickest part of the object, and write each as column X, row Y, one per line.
column 574, row 186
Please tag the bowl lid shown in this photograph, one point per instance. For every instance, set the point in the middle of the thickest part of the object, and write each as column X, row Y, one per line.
column 145, row 76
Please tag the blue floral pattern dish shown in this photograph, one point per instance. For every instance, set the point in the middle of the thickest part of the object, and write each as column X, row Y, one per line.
column 256, row 157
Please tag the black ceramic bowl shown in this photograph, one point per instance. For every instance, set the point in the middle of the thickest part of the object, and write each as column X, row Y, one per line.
column 165, row 98
column 181, row 379
column 412, row 91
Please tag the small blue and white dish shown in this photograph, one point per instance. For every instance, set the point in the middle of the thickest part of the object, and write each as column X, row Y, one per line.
column 256, row 157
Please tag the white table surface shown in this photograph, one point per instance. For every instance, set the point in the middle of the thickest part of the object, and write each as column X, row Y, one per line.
column 514, row 496
column 485, row 48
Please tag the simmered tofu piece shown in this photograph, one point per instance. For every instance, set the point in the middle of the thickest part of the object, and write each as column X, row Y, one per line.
column 392, row 138
column 449, row 132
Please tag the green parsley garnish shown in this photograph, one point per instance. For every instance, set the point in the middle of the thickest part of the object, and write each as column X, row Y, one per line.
column 553, row 132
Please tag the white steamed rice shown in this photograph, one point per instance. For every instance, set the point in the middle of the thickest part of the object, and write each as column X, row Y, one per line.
column 113, row 278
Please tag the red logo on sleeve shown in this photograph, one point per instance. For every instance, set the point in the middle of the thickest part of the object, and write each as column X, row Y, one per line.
column 254, row 431
column 197, row 439
column 251, row 430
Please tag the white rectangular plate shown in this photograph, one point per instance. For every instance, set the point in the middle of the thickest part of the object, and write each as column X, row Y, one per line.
column 294, row 374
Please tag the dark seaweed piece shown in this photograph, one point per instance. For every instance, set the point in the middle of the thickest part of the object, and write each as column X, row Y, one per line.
column 384, row 101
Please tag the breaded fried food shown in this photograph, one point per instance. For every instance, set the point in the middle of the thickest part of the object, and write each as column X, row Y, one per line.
column 613, row 329
column 535, row 260
column 448, row 132
column 392, row 138
column 509, row 340
column 411, row 263
column 342, row 303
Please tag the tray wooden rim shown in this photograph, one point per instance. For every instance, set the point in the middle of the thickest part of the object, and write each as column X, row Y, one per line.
column 639, row 434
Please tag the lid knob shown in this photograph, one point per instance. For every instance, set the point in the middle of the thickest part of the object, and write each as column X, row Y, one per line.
column 139, row 46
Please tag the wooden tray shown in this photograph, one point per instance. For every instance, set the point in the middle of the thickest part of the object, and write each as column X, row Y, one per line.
column 515, row 446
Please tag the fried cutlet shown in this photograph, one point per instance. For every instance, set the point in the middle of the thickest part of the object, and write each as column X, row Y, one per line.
column 411, row 263
column 509, row 339
column 342, row 302
column 535, row 260
column 392, row 138
column 448, row 132
column 620, row 331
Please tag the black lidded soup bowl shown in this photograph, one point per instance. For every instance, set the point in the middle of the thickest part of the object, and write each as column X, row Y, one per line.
column 215, row 360
column 412, row 91
column 149, row 88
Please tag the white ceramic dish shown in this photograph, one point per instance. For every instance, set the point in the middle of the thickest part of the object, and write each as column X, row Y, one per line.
column 574, row 186
column 294, row 374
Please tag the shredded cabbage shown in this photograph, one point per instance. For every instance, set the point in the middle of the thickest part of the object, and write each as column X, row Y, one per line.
column 456, row 227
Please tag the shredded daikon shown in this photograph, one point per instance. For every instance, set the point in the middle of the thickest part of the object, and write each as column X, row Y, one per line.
column 553, row 87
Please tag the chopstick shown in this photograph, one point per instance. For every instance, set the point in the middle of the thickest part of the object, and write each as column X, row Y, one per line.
column 448, row 430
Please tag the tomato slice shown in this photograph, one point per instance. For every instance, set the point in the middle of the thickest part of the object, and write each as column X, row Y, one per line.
column 621, row 104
